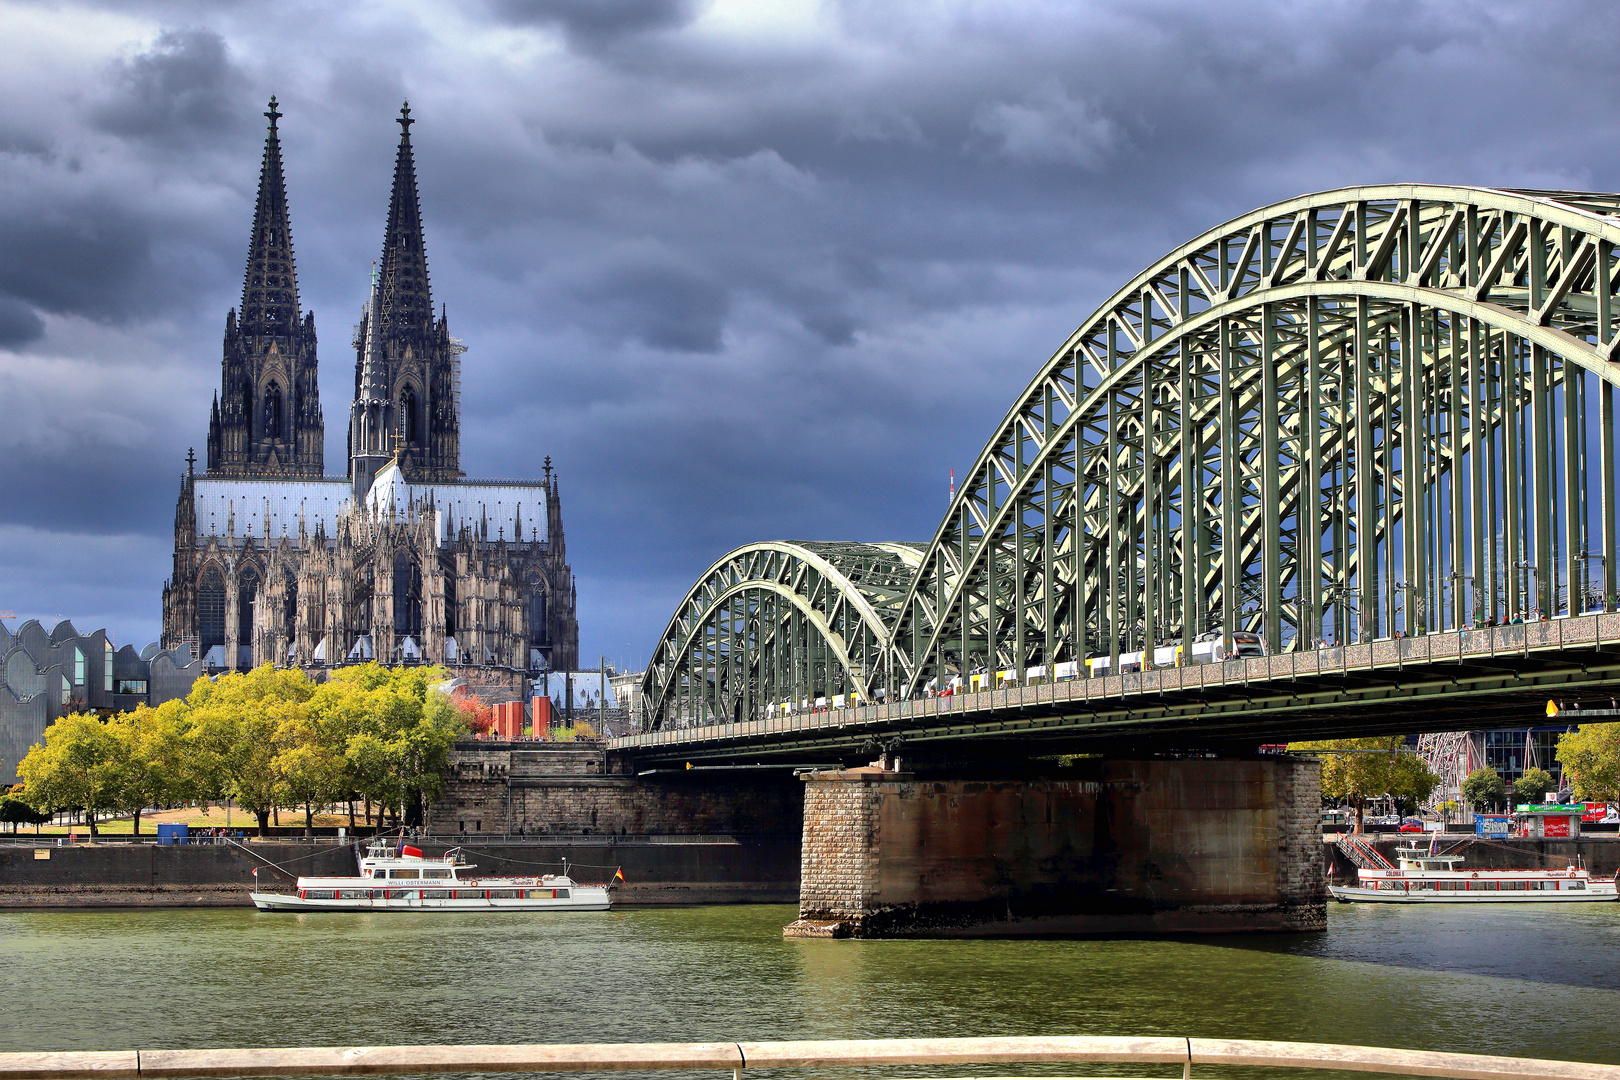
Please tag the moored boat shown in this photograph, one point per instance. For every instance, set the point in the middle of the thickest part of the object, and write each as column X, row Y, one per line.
column 401, row 878
column 1424, row 876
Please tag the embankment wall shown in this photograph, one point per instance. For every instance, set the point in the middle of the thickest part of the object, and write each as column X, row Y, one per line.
column 657, row 870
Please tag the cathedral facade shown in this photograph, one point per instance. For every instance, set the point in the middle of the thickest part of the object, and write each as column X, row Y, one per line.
column 402, row 559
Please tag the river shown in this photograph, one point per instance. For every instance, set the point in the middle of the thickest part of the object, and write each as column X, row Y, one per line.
column 1542, row 982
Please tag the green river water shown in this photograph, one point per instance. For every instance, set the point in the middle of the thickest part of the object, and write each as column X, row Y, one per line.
column 1541, row 982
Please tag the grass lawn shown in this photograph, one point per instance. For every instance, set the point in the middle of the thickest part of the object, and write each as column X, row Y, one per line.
column 195, row 817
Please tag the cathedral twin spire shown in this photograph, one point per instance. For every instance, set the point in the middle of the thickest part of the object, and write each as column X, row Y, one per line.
column 266, row 420
column 406, row 299
column 270, row 287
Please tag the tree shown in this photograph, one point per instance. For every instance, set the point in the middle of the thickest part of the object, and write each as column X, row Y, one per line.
column 77, row 767
column 1484, row 787
column 400, row 756
column 236, row 724
column 1533, row 785
column 1369, row 768
column 14, row 812
column 1591, row 754
column 151, row 761
column 310, row 767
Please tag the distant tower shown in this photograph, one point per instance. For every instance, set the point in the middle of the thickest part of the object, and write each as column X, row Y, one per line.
column 371, row 418
column 266, row 419
column 417, row 365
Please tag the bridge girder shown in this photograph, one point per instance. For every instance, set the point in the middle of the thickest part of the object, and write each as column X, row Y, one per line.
column 1353, row 414
column 1262, row 357
column 778, row 621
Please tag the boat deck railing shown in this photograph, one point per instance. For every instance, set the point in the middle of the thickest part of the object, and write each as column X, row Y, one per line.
column 736, row 1057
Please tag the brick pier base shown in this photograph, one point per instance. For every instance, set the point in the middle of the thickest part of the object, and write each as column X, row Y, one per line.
column 1156, row 846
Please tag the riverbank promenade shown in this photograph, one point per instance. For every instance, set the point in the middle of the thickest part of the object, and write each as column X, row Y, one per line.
column 737, row 1057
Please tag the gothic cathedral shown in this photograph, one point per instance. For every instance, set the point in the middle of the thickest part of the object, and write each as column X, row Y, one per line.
column 403, row 560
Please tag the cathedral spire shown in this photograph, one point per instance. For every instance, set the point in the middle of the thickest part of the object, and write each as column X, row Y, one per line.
column 270, row 286
column 407, row 303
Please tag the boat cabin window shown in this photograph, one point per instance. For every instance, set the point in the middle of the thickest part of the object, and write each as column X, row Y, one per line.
column 411, row 874
column 435, row 873
column 435, row 894
column 503, row 894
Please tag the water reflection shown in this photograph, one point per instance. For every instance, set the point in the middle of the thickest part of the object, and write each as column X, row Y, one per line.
column 1511, row 981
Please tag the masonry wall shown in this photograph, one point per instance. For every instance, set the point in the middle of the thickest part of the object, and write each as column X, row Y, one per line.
column 690, row 870
column 1115, row 846
column 575, row 790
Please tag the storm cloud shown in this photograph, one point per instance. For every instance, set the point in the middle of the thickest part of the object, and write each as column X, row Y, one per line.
column 744, row 271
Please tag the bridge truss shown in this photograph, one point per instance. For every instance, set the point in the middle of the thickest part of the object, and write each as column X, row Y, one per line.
column 1370, row 412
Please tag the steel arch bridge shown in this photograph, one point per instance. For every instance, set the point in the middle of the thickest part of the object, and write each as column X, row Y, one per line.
column 1357, row 414
column 780, row 622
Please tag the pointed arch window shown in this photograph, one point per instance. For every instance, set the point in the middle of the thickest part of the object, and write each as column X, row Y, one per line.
column 272, row 411
column 211, row 609
column 407, row 596
column 247, row 592
column 290, row 612
column 408, row 414
column 537, row 618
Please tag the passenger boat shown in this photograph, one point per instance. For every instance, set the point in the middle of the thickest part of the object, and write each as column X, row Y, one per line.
column 1423, row 876
column 401, row 878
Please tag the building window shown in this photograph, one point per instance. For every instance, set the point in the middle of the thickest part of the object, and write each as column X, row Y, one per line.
column 78, row 666
column 407, row 596
column 537, row 618
column 290, row 613
column 130, row 686
column 247, row 593
column 407, row 415
column 107, row 666
column 211, row 609
column 272, row 411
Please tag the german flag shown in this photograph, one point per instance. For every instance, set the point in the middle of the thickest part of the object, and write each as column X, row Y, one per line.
column 618, row 875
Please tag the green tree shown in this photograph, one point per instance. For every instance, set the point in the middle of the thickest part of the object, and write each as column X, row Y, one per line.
column 236, row 725
column 77, row 767
column 14, row 812
column 310, row 767
column 152, row 762
column 1591, row 754
column 1484, row 787
column 1363, row 769
column 1533, row 785
column 400, row 750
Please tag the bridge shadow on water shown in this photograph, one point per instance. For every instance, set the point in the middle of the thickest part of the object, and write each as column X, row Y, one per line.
column 1556, row 944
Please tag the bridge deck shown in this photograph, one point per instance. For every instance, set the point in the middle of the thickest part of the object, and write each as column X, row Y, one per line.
column 1498, row 676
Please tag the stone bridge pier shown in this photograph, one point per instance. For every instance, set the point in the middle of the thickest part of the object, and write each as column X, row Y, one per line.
column 1160, row 845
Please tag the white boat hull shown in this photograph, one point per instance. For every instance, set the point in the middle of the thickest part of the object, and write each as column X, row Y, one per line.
column 581, row 898
column 1352, row 894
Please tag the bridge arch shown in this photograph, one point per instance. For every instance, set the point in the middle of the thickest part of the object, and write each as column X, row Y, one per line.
column 1408, row 392
column 775, row 623
column 1360, row 413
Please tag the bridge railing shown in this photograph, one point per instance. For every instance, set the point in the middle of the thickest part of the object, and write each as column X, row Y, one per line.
column 739, row 1056
column 1576, row 632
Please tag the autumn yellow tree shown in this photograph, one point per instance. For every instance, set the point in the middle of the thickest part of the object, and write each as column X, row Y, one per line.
column 77, row 767
column 238, row 724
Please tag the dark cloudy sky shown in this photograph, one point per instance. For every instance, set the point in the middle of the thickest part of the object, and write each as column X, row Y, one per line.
column 744, row 270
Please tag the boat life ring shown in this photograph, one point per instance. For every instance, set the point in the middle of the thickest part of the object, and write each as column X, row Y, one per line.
column 1476, row 873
